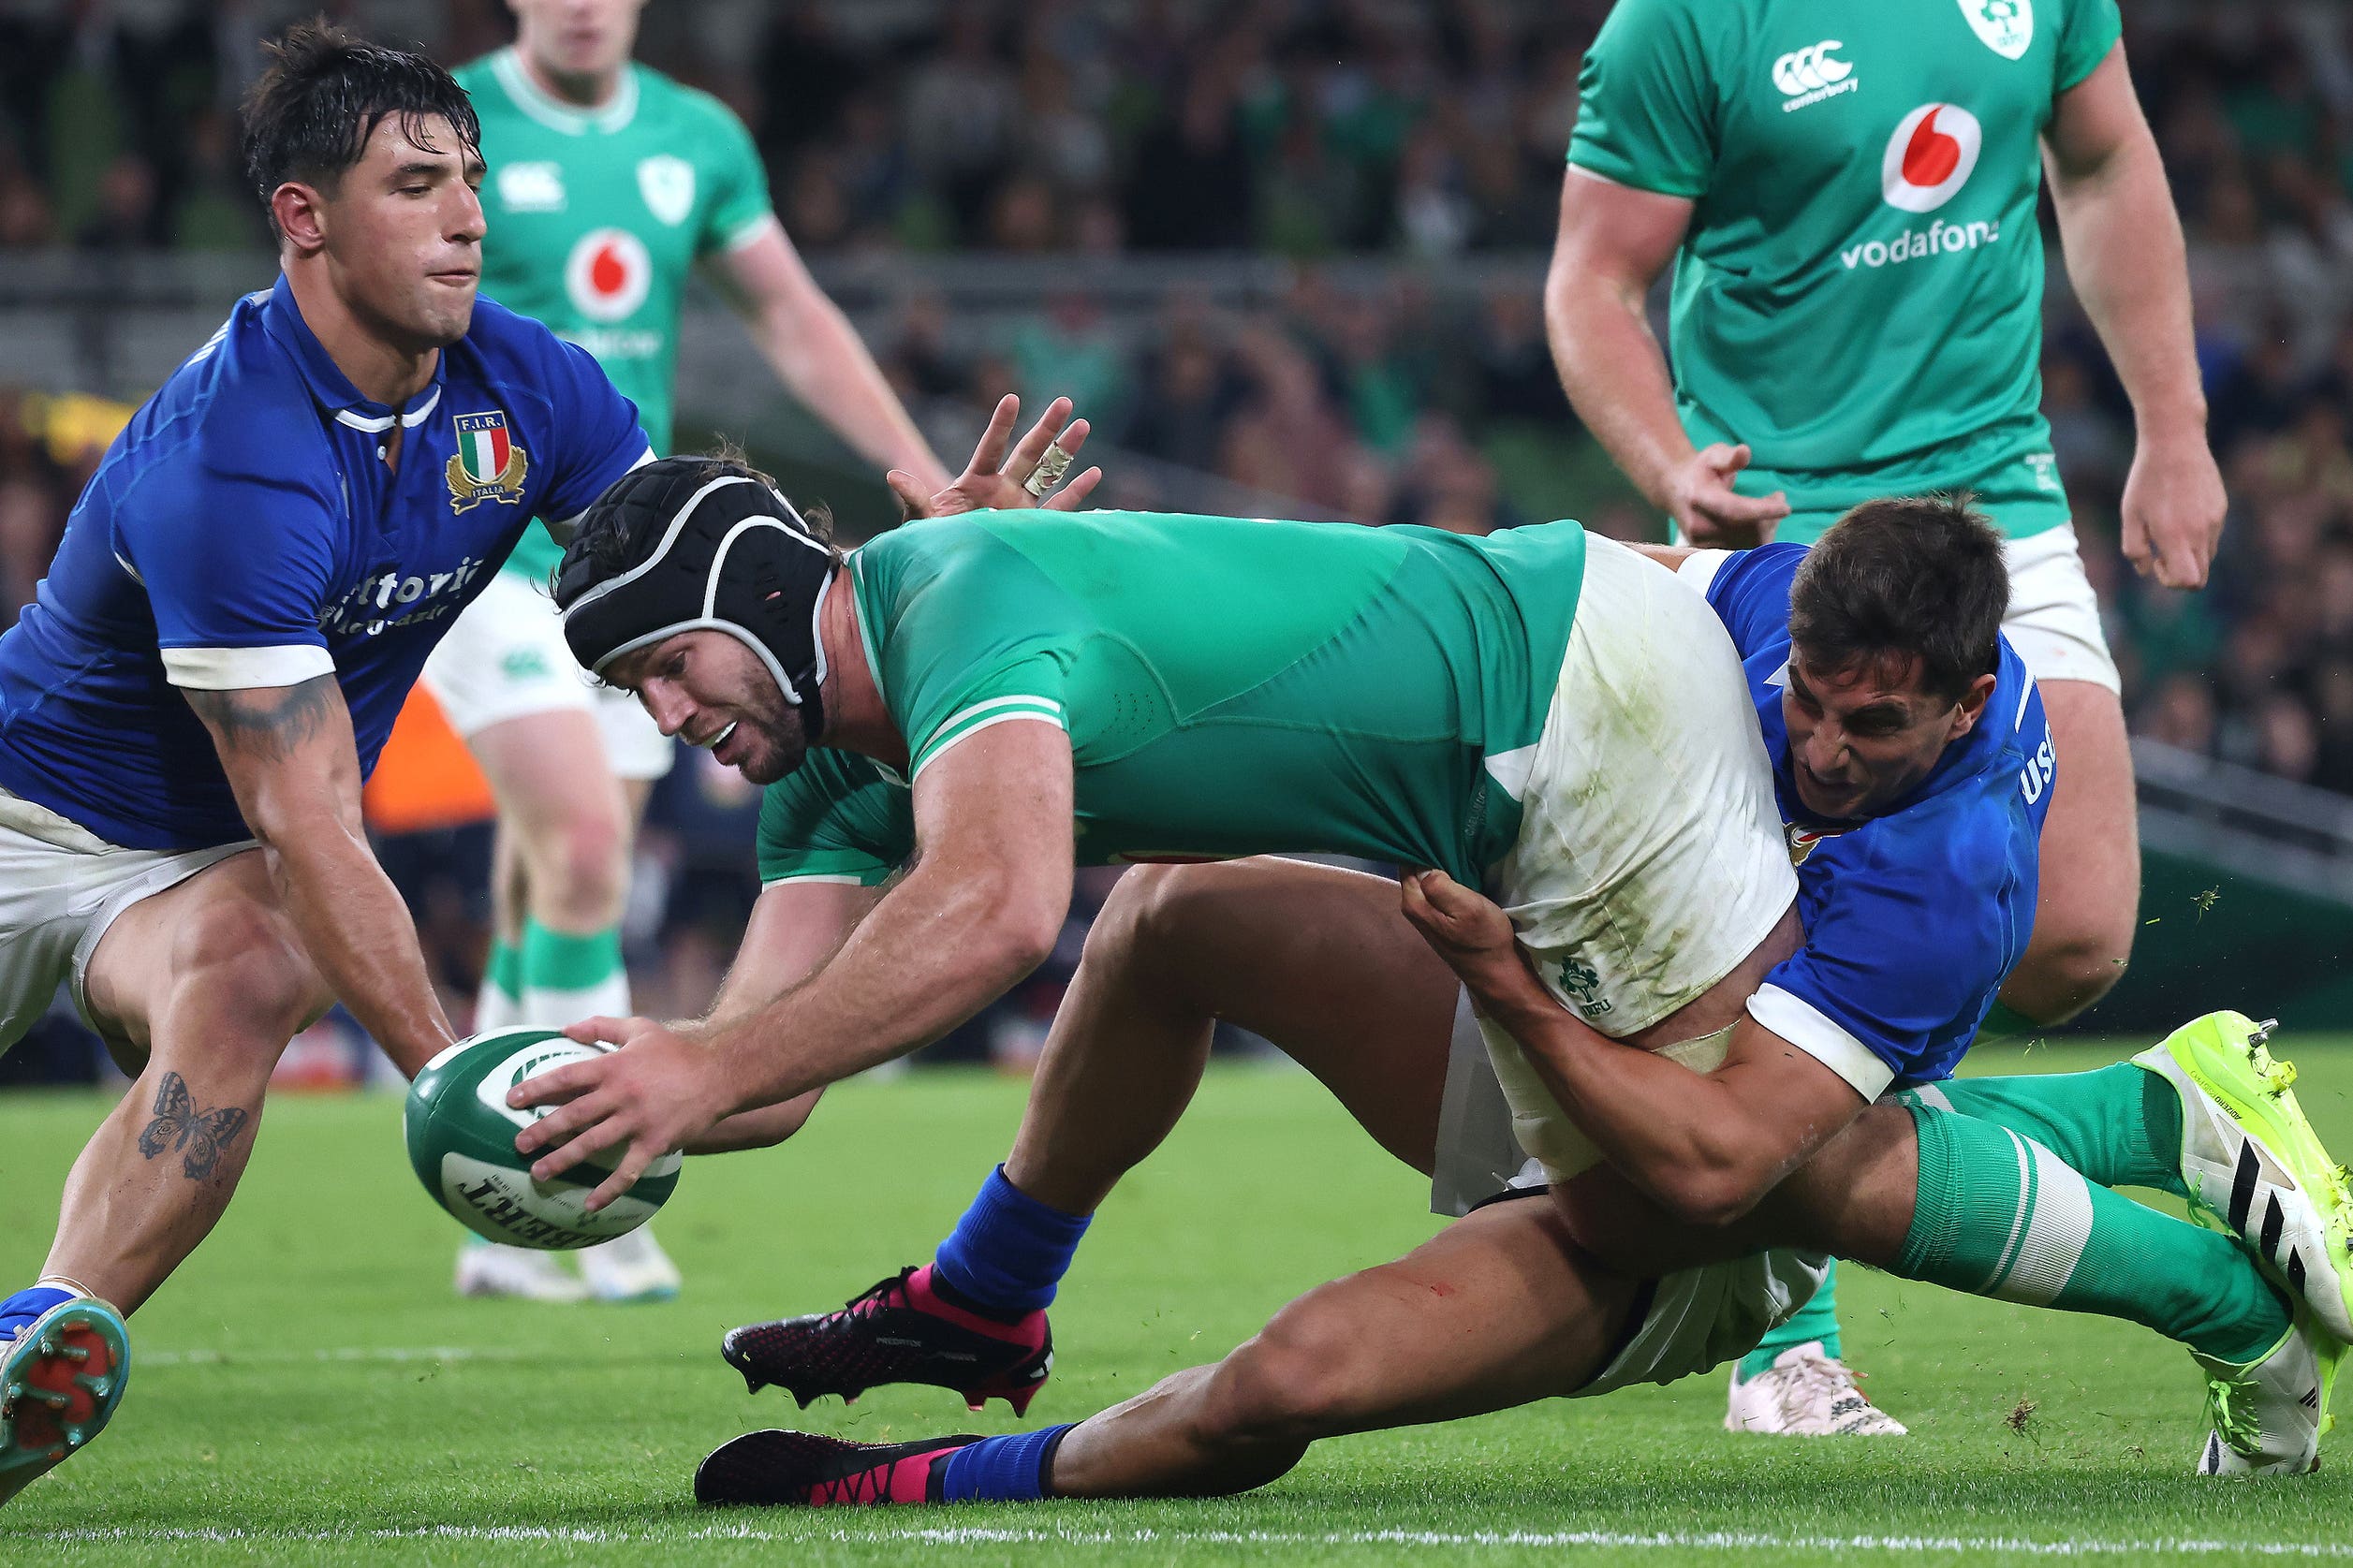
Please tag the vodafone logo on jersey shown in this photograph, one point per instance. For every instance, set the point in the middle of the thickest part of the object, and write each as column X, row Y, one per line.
column 1930, row 157
column 608, row 274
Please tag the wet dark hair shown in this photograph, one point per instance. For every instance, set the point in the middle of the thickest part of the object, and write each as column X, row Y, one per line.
column 310, row 113
column 614, row 539
column 1919, row 579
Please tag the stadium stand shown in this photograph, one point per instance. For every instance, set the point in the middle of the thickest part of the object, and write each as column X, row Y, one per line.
column 1284, row 256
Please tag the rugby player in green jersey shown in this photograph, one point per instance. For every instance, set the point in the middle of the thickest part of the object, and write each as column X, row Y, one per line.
column 608, row 183
column 1847, row 191
column 1199, row 687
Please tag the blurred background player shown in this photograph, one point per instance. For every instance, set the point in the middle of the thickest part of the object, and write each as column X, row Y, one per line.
column 1848, row 195
column 608, row 183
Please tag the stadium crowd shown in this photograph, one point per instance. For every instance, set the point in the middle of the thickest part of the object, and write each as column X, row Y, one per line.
column 1312, row 129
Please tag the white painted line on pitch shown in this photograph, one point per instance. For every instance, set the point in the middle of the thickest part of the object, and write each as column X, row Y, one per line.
column 141, row 1358
column 1727, row 1541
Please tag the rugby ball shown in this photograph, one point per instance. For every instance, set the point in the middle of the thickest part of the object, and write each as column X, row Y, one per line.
column 462, row 1144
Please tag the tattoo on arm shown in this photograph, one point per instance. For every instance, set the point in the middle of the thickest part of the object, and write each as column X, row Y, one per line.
column 268, row 723
column 202, row 1135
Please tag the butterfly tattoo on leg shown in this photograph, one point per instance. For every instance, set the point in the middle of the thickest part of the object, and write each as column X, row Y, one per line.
column 203, row 1136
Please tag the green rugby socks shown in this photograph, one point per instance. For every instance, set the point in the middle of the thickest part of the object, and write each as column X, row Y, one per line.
column 1817, row 1320
column 566, row 978
column 1999, row 1214
column 2121, row 1127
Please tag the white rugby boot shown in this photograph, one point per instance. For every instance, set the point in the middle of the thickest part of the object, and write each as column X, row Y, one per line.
column 2253, row 1164
column 1804, row 1393
column 517, row 1273
column 628, row 1268
column 2269, row 1413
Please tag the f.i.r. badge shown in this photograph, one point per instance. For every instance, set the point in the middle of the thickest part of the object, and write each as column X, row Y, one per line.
column 489, row 466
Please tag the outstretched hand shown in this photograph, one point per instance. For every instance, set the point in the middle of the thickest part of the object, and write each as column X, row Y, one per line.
column 995, row 480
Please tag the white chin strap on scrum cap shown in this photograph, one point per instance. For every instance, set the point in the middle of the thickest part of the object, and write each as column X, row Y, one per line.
column 729, row 554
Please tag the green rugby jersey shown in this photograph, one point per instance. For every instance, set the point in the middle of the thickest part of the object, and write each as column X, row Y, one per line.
column 1229, row 687
column 596, row 216
column 1859, row 295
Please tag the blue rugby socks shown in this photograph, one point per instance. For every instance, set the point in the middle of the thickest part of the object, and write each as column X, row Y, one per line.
column 18, row 1311
column 1008, row 1253
column 1001, row 1469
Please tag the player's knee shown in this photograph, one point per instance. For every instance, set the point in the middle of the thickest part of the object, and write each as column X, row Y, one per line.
column 245, row 964
column 1294, row 1382
column 585, row 868
column 1136, row 936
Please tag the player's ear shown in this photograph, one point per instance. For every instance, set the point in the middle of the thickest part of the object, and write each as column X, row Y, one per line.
column 301, row 213
column 1972, row 706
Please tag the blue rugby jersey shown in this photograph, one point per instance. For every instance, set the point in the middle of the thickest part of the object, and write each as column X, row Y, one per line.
column 1914, row 916
column 243, row 531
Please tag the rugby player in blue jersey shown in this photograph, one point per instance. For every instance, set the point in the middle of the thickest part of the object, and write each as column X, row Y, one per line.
column 241, row 598
column 1912, row 766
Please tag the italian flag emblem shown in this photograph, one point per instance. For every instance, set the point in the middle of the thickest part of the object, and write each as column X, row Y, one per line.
column 489, row 467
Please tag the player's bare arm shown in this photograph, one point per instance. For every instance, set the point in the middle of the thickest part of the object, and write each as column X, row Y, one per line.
column 817, row 354
column 290, row 759
column 1614, row 242
column 2123, row 247
column 795, row 928
column 1706, row 1147
column 979, row 908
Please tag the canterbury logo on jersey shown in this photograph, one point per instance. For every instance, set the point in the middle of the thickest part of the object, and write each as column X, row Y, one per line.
column 1808, row 76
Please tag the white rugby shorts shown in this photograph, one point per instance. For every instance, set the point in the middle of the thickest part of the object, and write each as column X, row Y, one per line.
column 505, row 657
column 1650, row 861
column 2054, row 617
column 60, row 888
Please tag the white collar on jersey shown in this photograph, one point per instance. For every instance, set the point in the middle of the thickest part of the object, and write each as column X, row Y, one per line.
column 409, row 417
column 556, row 115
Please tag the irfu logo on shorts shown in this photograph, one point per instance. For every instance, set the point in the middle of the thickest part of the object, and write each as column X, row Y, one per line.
column 1583, row 984
column 525, row 664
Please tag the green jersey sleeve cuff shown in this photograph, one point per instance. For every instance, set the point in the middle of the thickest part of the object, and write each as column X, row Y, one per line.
column 815, row 873
column 2095, row 48
column 736, row 236
column 1600, row 163
column 971, row 721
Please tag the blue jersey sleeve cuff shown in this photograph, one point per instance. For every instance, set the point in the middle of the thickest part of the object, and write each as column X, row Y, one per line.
column 1822, row 1037
column 562, row 530
column 227, row 669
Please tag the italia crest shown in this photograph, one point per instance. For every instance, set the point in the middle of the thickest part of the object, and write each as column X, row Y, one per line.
column 489, row 466
column 1802, row 840
column 2007, row 26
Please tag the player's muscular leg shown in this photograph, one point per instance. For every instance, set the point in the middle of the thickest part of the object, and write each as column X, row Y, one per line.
column 567, row 813
column 2090, row 891
column 1497, row 1309
column 1314, row 958
column 209, row 980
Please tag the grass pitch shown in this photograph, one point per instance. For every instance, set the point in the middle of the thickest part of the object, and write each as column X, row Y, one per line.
column 308, row 1389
